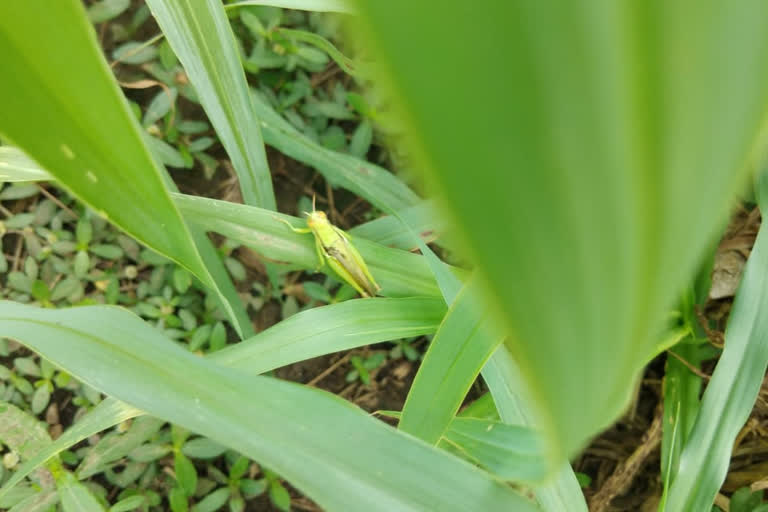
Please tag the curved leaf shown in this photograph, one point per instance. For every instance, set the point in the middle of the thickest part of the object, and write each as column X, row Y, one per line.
column 323, row 445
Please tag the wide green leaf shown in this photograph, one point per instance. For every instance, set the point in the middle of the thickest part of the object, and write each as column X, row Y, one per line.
column 200, row 35
column 327, row 448
column 91, row 141
column 587, row 175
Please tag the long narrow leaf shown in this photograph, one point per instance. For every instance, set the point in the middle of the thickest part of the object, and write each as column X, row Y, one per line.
column 457, row 353
column 326, row 447
column 333, row 328
column 735, row 384
column 399, row 273
column 346, row 325
column 505, row 383
column 200, row 35
column 506, row 386
column 371, row 182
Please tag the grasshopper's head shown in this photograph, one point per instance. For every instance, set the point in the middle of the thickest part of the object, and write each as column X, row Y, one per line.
column 316, row 219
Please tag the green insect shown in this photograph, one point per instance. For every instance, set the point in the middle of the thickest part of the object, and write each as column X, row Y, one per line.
column 335, row 248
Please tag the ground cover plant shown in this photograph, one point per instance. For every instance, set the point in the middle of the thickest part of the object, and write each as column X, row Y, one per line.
column 578, row 197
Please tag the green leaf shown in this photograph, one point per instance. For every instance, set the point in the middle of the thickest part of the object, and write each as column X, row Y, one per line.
column 75, row 497
column 733, row 388
column 346, row 325
column 463, row 343
column 596, row 130
column 340, row 452
column 213, row 501
column 511, row 452
column 186, row 475
column 373, row 183
column 178, row 500
column 106, row 251
column 279, row 496
column 116, row 446
column 128, row 504
column 160, row 105
column 200, row 35
column 93, row 145
column 399, row 273
column 202, row 448
column 106, row 10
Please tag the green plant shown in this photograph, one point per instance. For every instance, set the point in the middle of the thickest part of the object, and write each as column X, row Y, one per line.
column 577, row 185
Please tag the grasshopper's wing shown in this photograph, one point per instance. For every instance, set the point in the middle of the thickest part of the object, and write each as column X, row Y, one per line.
column 350, row 266
column 358, row 258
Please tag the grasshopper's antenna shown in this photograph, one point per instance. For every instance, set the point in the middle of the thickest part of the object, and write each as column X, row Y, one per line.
column 314, row 196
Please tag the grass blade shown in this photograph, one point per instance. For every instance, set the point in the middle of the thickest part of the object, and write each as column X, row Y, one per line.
column 506, row 384
column 734, row 386
column 462, row 345
column 369, row 181
column 326, row 447
column 596, row 126
column 400, row 273
column 388, row 230
column 508, row 451
column 200, row 35
column 347, row 325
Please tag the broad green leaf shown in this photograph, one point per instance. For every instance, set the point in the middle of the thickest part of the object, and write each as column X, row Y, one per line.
column 327, row 448
column 92, row 143
column 733, row 388
column 333, row 328
column 200, row 35
column 463, row 343
column 399, row 273
column 371, row 182
column 588, row 175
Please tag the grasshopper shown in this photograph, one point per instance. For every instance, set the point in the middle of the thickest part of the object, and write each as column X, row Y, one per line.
column 335, row 248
